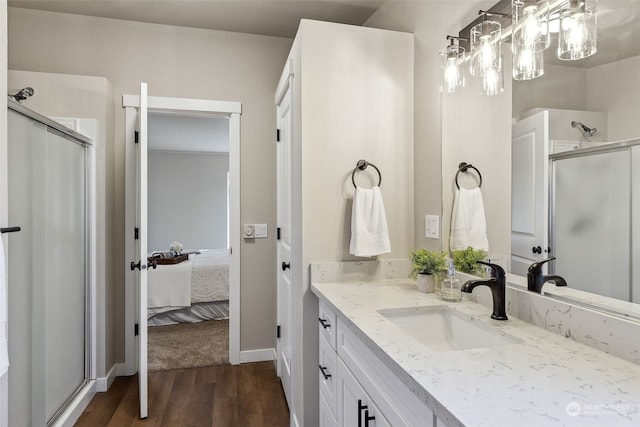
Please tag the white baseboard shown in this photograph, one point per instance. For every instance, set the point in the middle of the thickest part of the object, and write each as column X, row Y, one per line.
column 77, row 406
column 261, row 355
column 103, row 383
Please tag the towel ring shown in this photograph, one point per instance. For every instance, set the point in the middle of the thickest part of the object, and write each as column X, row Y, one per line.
column 464, row 167
column 362, row 165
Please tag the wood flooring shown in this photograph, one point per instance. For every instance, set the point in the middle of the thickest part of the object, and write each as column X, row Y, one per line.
column 213, row 396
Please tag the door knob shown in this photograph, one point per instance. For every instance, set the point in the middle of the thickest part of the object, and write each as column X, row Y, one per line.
column 536, row 250
column 285, row 265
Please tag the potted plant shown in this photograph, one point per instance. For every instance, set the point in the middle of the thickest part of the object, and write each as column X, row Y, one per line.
column 465, row 260
column 426, row 266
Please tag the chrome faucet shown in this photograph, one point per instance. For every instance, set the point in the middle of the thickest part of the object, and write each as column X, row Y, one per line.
column 497, row 284
column 535, row 278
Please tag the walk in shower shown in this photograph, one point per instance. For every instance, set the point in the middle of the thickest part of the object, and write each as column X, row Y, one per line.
column 48, row 266
column 595, row 218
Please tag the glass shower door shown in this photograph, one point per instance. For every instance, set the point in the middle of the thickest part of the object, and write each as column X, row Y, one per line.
column 591, row 222
column 47, row 265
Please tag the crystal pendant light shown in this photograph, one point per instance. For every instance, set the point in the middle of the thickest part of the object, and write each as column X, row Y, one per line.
column 486, row 48
column 452, row 73
column 577, row 36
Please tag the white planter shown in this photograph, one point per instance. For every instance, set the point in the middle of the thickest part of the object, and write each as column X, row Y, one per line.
column 426, row 283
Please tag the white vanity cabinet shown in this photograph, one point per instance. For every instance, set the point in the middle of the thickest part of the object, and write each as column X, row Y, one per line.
column 357, row 389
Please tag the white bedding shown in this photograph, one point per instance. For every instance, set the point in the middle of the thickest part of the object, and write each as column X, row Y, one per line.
column 202, row 278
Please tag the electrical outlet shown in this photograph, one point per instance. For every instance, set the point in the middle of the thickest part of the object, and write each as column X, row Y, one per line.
column 432, row 226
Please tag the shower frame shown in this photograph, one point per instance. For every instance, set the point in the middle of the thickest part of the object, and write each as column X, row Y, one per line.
column 73, row 407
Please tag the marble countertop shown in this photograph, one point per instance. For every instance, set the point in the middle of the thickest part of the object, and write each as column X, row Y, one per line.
column 545, row 380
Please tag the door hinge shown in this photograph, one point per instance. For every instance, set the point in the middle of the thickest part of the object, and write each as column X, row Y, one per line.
column 136, row 329
column 278, row 331
column 278, row 135
column 136, row 233
column 278, row 233
column 136, row 136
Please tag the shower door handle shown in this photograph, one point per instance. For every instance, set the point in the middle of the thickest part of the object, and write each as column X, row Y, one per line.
column 9, row 229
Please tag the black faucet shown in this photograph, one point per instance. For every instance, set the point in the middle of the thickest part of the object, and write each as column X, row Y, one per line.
column 497, row 284
column 535, row 278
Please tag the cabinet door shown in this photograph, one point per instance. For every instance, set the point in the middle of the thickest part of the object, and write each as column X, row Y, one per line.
column 354, row 406
column 326, row 416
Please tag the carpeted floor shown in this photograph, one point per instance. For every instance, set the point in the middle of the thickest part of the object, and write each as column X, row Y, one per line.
column 188, row 345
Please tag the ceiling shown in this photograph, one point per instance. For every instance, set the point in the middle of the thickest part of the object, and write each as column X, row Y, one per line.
column 264, row 17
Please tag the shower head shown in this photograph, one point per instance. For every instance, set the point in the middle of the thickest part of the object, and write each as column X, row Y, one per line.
column 587, row 131
column 23, row 94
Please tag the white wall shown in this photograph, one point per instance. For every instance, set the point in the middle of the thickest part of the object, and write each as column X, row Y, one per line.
column 353, row 99
column 186, row 63
column 561, row 87
column 187, row 200
column 613, row 88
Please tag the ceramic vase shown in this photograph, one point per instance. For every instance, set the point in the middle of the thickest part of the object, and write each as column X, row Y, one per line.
column 426, row 283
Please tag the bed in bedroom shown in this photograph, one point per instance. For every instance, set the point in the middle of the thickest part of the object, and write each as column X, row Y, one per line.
column 191, row 291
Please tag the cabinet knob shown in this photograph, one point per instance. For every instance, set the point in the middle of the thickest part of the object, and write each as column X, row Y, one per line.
column 323, row 370
column 324, row 322
column 285, row 265
column 536, row 250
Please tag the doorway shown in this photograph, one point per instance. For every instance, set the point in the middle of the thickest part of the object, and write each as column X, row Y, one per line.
column 187, row 109
column 188, row 207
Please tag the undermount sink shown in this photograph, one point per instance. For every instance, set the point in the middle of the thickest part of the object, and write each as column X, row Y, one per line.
column 445, row 329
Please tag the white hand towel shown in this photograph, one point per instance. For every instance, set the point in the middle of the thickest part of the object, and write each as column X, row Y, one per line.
column 468, row 223
column 4, row 351
column 369, row 230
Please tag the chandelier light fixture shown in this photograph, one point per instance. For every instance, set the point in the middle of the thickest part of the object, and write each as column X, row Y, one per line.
column 532, row 22
column 452, row 75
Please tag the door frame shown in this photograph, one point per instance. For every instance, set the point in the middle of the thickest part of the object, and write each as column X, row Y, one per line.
column 232, row 110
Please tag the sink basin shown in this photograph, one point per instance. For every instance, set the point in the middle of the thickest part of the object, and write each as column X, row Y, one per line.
column 445, row 329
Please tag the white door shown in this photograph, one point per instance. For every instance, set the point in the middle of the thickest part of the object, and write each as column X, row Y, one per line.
column 285, row 239
column 141, row 250
column 529, row 192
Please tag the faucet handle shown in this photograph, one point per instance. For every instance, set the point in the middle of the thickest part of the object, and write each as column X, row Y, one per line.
column 536, row 267
column 496, row 270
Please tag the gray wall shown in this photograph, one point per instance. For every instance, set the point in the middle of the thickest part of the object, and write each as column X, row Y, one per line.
column 187, row 199
column 186, row 63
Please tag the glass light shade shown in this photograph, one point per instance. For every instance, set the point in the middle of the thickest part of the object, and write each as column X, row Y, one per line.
column 530, row 19
column 528, row 63
column 577, row 36
column 492, row 82
column 486, row 47
column 452, row 69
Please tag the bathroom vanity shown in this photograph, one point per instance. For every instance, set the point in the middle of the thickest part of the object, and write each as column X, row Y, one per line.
column 383, row 360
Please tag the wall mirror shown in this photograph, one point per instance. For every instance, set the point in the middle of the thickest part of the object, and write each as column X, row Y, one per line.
column 603, row 92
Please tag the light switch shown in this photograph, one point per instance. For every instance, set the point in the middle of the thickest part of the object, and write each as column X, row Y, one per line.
column 260, row 231
column 432, row 226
